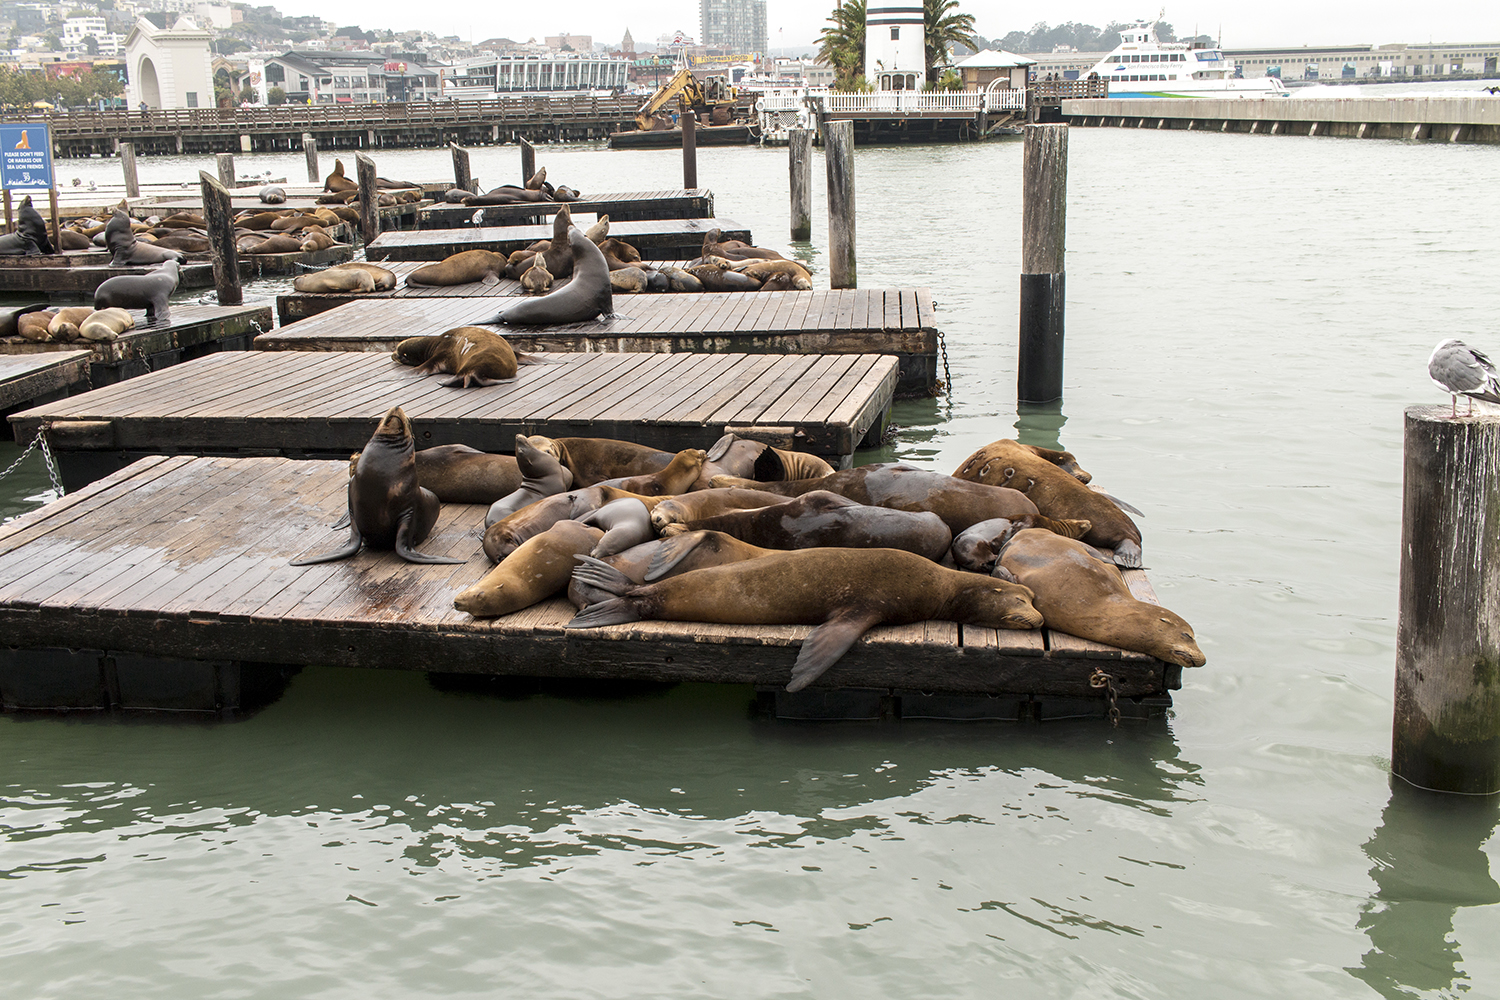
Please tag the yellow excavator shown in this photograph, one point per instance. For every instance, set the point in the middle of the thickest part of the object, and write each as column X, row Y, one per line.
column 712, row 101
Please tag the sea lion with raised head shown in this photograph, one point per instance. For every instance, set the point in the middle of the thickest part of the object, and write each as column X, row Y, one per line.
column 126, row 249
column 536, row 279
column 678, row 477
column 1080, row 593
column 150, row 291
column 597, row 460
column 387, row 507
column 539, row 568
column 820, row 519
column 337, row 182
column 542, row 476
column 842, row 592
column 586, row 296
column 471, row 354
column 483, row 266
column 460, row 474
column 30, row 223
column 599, row 231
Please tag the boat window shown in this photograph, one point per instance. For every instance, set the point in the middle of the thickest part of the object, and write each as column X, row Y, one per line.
column 1156, row 58
column 895, row 34
column 1172, row 77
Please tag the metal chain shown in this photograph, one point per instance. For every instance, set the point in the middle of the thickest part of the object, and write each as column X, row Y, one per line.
column 1100, row 679
column 947, row 375
column 40, row 441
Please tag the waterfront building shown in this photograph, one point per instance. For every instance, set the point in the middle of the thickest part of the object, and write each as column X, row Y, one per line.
column 169, row 67
column 733, row 26
column 570, row 43
column 310, row 77
column 982, row 69
column 531, row 73
column 895, row 53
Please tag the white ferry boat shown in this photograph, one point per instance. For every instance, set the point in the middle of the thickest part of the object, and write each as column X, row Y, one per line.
column 1141, row 66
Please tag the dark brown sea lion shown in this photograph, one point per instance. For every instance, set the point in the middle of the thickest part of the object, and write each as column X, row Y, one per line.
column 36, row 326
column 714, row 245
column 585, row 297
column 387, row 509
column 457, row 473
column 794, row 275
column 1081, row 594
column 542, row 476
column 126, row 249
column 334, row 281
column 471, row 354
column 506, row 195
column 700, row 505
column 539, row 568
column 843, row 592
column 288, row 223
column 276, row 244
column 460, row 269
column 185, row 241
column 150, row 291
column 717, row 278
column 10, row 314
column 976, row 548
column 678, row 477
column 337, row 182
column 1056, row 494
column 537, row 181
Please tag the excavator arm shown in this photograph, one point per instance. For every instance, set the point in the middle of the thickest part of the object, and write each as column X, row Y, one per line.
column 682, row 87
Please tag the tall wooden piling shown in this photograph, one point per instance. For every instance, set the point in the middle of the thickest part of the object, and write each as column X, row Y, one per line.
column 310, row 150
column 799, row 165
column 226, row 169
column 127, row 163
column 689, row 150
column 1044, row 213
column 838, row 157
column 218, row 216
column 528, row 160
column 369, row 198
column 1446, row 732
column 462, row 177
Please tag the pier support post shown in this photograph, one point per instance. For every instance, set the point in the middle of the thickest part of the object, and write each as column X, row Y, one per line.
column 689, row 150
column 1446, row 732
column 1044, row 214
column 246, row 144
column 528, row 160
column 310, row 150
column 462, row 178
column 218, row 217
column 369, row 198
column 226, row 169
column 127, row 163
column 799, row 164
column 838, row 157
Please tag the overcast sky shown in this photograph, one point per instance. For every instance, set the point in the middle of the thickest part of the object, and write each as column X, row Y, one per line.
column 795, row 22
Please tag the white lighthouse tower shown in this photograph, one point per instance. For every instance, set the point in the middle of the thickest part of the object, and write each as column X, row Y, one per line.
column 895, row 57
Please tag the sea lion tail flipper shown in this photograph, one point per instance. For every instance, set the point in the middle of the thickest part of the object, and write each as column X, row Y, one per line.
column 1127, row 508
column 1128, row 555
column 603, row 587
column 1067, row 527
column 527, row 359
column 825, row 644
column 350, row 547
column 405, row 551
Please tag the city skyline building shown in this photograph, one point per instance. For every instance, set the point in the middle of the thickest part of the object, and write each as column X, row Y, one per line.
column 733, row 25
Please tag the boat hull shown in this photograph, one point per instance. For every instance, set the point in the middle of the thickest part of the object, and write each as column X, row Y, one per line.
column 671, row 138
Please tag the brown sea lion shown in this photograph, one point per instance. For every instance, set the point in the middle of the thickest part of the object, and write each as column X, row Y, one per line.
column 664, row 557
column 542, row 476
column 471, row 354
column 627, row 280
column 793, row 275
column 186, row 242
column 337, row 182
column 716, row 278
column 316, row 241
column 686, row 508
column 1081, row 594
column 35, row 326
column 258, row 221
column 596, row 460
column 536, row 279
column 67, row 240
column 290, row 222
column 842, row 592
column 621, row 251
column 462, row 268
column 714, row 245
column 387, row 508
column 333, row 280
column 64, row 325
column 538, row 569
column 1057, row 494
column 678, row 477
column 457, row 473
column 599, row 231
column 385, row 279
column 977, row 547
column 537, row 180
column 276, row 244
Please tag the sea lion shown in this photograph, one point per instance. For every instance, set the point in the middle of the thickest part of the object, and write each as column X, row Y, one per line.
column 385, row 279
column 536, row 181
column 794, row 275
column 457, row 473
column 599, row 231
column 104, row 325
column 277, row 244
column 714, row 245
column 288, row 223
column 456, row 196
column 588, row 295
column 317, row 240
column 558, row 251
column 664, row 557
column 337, row 182
column 842, row 592
column 387, row 508
column 1057, row 494
column 10, row 314
column 333, row 280
column 30, row 223
column 64, row 325
column 127, row 250
column 461, row 269
column 273, row 195
column 620, row 250
column 148, row 291
column 823, row 519
column 680, row 280
column 539, row 568
column 678, row 477
column 717, row 278
column 503, row 537
column 626, row 523
column 505, row 195
column 737, row 457
column 36, row 327
column 686, row 508
column 542, row 476
column 186, row 242
column 258, row 221
column 565, row 193
column 597, row 460
column 1082, row 594
column 68, row 239
column 536, row 279
column 471, row 354
column 977, row 547
column 627, row 280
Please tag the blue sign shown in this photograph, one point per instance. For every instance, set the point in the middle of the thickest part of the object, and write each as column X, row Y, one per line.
column 25, row 157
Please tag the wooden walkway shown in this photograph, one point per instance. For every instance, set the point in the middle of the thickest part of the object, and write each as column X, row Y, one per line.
column 188, row 558
column 302, row 404
column 897, row 321
column 29, row 379
column 665, row 239
column 623, row 206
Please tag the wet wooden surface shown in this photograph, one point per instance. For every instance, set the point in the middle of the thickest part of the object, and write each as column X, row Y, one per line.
column 25, row 377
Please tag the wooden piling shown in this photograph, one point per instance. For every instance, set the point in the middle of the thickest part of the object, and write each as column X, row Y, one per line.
column 1044, row 212
column 799, row 165
column 226, row 169
column 528, row 160
column 838, row 157
column 462, row 178
column 369, row 198
column 54, row 225
column 689, row 150
column 1446, row 730
column 310, row 150
column 218, row 216
column 127, row 163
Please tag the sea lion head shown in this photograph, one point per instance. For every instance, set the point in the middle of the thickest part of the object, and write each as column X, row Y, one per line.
column 415, row 350
column 977, row 547
column 985, row 600
column 1171, row 638
column 395, row 427
column 667, row 513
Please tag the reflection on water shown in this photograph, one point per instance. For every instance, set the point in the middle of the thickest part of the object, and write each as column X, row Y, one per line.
column 1040, row 424
column 1429, row 864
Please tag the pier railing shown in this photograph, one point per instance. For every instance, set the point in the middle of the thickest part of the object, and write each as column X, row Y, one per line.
column 899, row 102
column 1052, row 91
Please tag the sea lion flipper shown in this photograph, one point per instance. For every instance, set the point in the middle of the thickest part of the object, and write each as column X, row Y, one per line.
column 825, row 644
column 405, row 551
column 1127, row 508
column 342, row 522
column 720, row 448
column 603, row 587
column 1001, row 573
column 1128, row 555
column 350, row 547
column 670, row 553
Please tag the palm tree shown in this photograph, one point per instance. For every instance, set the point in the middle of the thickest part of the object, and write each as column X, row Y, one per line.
column 842, row 45
column 944, row 26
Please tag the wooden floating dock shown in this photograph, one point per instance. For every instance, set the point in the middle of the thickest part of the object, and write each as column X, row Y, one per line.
column 666, row 239
column 393, row 214
column 897, row 321
column 28, row 380
column 325, row 405
column 193, row 332
column 80, row 280
column 623, row 206
column 155, row 588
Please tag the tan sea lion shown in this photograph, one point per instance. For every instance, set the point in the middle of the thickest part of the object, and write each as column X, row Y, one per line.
column 627, row 280
column 36, row 326
column 842, row 592
column 334, row 280
column 316, row 241
column 337, row 182
column 664, row 557
column 385, row 279
column 678, row 477
column 1056, row 493
column 714, row 245
column 276, row 244
column 186, row 242
column 792, row 275
column 599, row 231
column 539, row 568
column 64, row 325
column 597, row 460
column 536, row 279
column 471, row 354
column 462, row 268
column 1081, row 594
column 686, row 508
column 290, row 222
column 104, row 325
column 457, row 473
column 536, row 180
column 258, row 221
column 716, row 278
column 621, row 251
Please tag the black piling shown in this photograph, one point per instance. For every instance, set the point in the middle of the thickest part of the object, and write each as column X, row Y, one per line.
column 528, row 160
column 689, row 150
column 462, row 178
column 1044, row 213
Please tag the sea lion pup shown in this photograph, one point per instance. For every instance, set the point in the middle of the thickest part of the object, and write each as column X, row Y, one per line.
column 37, row 327
column 960, row 503
column 626, row 523
column 978, row 547
column 1056, row 494
column 462, row 268
column 387, row 509
column 542, row 476
column 104, row 325
column 788, row 273
column 64, row 324
column 669, row 516
column 10, row 316
column 588, row 295
column 1082, row 594
column 471, row 354
column 273, row 195
column 539, row 568
column 460, row 474
column 385, row 279
column 826, row 520
column 714, row 245
column 843, row 592
column 599, row 231
column 149, row 291
column 536, row 279
column 337, row 182
column 678, row 477
column 334, row 281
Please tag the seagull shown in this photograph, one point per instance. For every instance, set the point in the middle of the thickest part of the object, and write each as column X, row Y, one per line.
column 1457, row 368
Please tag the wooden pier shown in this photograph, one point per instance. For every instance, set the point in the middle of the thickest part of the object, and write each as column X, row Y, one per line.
column 322, row 405
column 624, row 206
column 897, row 321
column 392, row 215
column 162, row 586
column 665, row 239
column 79, row 280
column 28, row 380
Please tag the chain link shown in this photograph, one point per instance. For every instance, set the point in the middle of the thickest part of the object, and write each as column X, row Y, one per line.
column 40, row 441
column 947, row 375
column 1099, row 679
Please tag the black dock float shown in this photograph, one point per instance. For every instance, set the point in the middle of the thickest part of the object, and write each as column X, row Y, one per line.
column 110, row 595
column 625, row 206
column 663, row 239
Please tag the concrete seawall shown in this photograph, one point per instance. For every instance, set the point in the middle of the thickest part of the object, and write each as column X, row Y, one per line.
column 1443, row 119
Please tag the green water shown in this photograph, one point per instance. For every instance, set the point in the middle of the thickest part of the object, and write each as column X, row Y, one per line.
column 1247, row 317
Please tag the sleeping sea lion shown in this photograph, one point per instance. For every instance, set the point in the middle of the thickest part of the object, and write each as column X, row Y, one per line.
column 502, row 537
column 700, row 505
column 664, row 557
column 714, row 245
column 471, row 354
column 536, row 181
column 586, row 296
column 627, row 280
column 678, row 477
column 68, row 239
column 385, row 279
column 36, row 327
column 273, row 195
column 538, row 569
column 387, row 508
column 457, row 473
column 597, row 460
column 977, row 547
column 717, row 278
column 333, row 280
column 680, row 280
column 64, row 325
column 792, row 275
column 276, row 244
column 462, row 268
column 542, row 476
column 104, row 325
